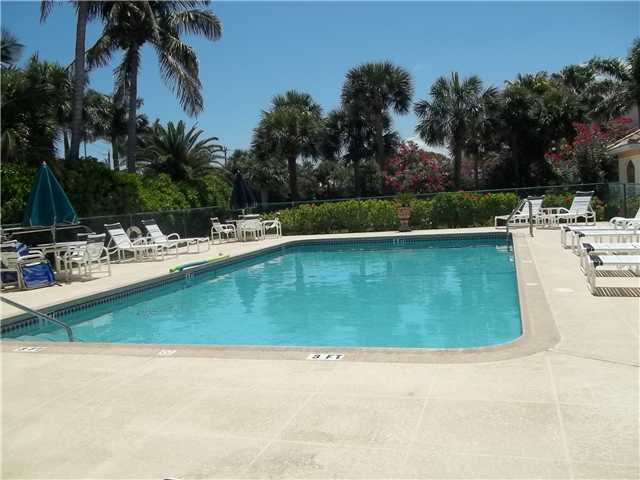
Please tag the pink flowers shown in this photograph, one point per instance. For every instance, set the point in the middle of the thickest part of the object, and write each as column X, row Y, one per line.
column 414, row 170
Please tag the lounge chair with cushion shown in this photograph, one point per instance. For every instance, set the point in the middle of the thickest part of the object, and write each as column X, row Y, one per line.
column 173, row 240
column 604, row 248
column 222, row 229
column 24, row 268
column 617, row 262
column 519, row 217
column 580, row 211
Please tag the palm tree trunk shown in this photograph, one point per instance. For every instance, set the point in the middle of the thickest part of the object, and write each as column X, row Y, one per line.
column 457, row 164
column 132, row 117
column 475, row 171
column 79, row 76
column 380, row 157
column 65, row 141
column 357, row 179
column 114, row 152
column 293, row 178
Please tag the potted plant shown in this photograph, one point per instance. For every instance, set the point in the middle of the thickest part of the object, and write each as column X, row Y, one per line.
column 403, row 210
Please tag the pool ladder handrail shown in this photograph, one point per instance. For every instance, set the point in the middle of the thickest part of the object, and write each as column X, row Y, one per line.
column 41, row 315
column 520, row 205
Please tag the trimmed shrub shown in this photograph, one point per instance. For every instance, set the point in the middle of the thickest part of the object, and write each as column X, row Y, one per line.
column 444, row 210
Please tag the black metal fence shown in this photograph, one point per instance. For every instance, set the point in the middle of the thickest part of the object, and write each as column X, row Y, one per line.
column 619, row 199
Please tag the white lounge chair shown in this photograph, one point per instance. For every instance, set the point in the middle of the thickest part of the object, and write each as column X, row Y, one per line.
column 580, row 211
column 120, row 244
column 613, row 224
column 272, row 227
column 614, row 235
column 619, row 262
column 519, row 217
column 603, row 248
column 84, row 257
column 173, row 240
column 220, row 229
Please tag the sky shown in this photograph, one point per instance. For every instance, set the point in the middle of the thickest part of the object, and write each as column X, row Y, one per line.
column 270, row 47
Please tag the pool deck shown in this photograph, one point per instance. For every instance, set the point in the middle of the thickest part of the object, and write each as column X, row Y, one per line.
column 569, row 411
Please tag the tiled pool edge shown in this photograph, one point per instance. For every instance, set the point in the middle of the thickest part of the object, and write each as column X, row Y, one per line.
column 539, row 329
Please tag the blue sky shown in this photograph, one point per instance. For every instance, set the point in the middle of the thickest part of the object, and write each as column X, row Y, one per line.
column 270, row 47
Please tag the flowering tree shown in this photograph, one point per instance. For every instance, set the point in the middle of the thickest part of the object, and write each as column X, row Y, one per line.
column 414, row 170
column 585, row 159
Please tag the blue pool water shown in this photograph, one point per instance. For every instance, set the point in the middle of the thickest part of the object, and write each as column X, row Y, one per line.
column 425, row 293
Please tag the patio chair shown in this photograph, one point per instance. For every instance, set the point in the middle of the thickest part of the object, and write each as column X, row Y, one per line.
column 519, row 217
column 251, row 228
column 173, row 240
column 220, row 229
column 120, row 244
column 22, row 268
column 86, row 256
column 618, row 262
column 580, row 210
column 272, row 228
column 613, row 224
column 603, row 248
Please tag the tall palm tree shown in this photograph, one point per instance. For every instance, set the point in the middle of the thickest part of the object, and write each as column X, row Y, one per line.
column 619, row 80
column 448, row 116
column 348, row 136
column 129, row 25
column 376, row 89
column 482, row 133
column 10, row 49
column 288, row 130
column 85, row 11
column 180, row 153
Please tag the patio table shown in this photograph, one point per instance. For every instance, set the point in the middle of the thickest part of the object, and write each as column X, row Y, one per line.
column 59, row 248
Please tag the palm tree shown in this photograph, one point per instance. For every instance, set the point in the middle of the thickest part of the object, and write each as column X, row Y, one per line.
column 10, row 48
column 129, row 26
column 449, row 115
column 482, row 134
column 348, row 136
column 288, row 130
column 619, row 80
column 180, row 153
column 376, row 89
column 85, row 11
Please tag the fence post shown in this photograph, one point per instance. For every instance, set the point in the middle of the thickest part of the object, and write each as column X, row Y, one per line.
column 624, row 199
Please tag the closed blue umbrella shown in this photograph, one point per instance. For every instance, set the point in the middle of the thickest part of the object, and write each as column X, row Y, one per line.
column 48, row 204
column 241, row 196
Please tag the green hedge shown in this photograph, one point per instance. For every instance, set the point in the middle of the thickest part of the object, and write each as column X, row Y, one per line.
column 444, row 210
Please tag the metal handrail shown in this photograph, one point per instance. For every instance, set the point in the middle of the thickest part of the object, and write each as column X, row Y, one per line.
column 517, row 209
column 41, row 315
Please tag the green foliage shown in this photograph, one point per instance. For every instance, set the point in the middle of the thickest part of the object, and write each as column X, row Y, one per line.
column 16, row 181
column 444, row 210
column 95, row 190
column 347, row 216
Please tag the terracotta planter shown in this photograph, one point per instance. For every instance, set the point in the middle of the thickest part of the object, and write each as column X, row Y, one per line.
column 404, row 214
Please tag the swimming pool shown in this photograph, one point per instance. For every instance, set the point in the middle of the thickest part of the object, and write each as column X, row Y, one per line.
column 440, row 292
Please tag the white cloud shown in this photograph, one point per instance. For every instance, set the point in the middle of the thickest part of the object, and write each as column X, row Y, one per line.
column 432, row 148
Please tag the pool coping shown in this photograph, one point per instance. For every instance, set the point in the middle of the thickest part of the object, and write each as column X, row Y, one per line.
column 539, row 331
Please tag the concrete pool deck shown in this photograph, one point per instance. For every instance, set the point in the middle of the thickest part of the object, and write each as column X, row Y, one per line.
column 570, row 411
